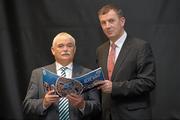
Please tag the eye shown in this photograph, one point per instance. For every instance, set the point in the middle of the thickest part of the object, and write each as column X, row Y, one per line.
column 60, row 46
column 111, row 20
column 70, row 45
column 103, row 22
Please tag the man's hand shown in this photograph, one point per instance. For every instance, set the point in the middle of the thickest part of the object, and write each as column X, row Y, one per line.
column 76, row 101
column 50, row 98
column 105, row 86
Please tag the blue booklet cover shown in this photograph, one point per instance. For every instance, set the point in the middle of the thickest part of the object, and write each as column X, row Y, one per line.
column 89, row 79
column 77, row 85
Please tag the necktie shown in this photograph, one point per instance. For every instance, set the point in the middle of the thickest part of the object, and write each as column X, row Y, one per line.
column 63, row 73
column 63, row 102
column 111, row 60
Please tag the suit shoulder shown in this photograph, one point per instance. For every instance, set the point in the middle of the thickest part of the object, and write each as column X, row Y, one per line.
column 137, row 40
column 81, row 68
column 40, row 68
column 134, row 41
column 102, row 46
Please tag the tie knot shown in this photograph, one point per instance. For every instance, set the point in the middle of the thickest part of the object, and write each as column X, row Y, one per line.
column 63, row 68
column 113, row 45
column 63, row 73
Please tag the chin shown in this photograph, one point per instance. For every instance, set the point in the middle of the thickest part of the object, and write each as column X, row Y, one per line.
column 110, row 36
column 66, row 58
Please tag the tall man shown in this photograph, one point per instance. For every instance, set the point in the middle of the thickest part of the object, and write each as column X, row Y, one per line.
column 45, row 104
column 129, row 67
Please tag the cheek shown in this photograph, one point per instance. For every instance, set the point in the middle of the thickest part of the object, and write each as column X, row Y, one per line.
column 55, row 52
column 58, row 52
column 73, row 50
column 72, row 53
column 103, row 27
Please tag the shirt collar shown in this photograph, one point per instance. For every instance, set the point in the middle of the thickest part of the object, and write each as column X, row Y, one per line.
column 121, row 40
column 58, row 66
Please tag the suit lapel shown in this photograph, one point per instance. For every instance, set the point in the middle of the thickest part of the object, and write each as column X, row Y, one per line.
column 52, row 68
column 75, row 71
column 105, row 58
column 121, row 57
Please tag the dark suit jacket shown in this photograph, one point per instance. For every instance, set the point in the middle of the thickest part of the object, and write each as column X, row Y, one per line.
column 33, row 101
column 133, row 79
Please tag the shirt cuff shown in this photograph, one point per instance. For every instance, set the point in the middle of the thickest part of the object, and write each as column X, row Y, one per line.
column 82, row 110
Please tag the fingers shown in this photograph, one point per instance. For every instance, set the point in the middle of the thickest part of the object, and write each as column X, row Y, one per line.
column 99, row 83
column 106, row 86
column 102, row 84
column 73, row 97
column 76, row 100
column 51, row 97
column 51, row 92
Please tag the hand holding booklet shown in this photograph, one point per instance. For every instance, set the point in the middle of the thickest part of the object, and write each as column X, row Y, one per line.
column 64, row 86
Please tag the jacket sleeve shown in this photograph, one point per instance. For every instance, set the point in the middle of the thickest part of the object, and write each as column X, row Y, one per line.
column 33, row 102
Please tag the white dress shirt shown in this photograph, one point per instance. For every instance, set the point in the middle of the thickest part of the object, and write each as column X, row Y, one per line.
column 68, row 71
column 119, row 43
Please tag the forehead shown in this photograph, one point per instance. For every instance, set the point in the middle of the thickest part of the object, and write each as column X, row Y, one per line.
column 63, row 40
column 109, row 15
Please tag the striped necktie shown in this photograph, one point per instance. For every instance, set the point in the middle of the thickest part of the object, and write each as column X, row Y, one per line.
column 63, row 101
column 63, row 73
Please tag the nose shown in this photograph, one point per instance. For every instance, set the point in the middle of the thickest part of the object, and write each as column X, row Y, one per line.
column 107, row 25
column 65, row 48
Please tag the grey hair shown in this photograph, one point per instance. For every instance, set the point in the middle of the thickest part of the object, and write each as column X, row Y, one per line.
column 63, row 34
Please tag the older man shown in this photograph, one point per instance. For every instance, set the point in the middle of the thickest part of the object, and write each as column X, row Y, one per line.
column 45, row 104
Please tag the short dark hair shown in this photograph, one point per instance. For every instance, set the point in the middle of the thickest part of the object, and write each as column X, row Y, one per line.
column 106, row 8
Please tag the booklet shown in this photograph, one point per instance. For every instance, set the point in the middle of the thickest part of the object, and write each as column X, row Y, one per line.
column 77, row 85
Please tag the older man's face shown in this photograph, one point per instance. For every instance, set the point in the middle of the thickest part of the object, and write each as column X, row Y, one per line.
column 64, row 50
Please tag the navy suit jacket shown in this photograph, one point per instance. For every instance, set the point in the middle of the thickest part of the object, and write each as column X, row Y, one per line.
column 133, row 79
column 34, row 98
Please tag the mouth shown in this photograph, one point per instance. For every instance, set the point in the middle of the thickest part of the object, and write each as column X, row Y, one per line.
column 109, row 31
column 65, row 54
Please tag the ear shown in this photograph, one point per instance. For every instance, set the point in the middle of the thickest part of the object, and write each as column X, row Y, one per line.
column 123, row 20
column 52, row 50
column 74, row 49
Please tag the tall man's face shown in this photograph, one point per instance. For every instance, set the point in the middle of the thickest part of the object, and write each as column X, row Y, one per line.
column 112, row 24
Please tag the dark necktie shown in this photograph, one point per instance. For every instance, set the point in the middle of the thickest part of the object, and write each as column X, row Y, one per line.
column 111, row 60
column 63, row 102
